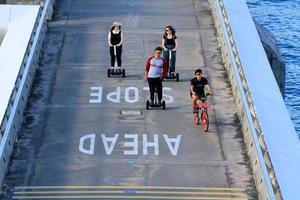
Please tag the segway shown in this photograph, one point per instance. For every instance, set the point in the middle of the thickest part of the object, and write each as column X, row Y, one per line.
column 155, row 103
column 170, row 76
column 115, row 71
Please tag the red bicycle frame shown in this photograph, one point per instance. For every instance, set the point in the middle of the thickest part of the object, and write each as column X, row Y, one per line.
column 203, row 106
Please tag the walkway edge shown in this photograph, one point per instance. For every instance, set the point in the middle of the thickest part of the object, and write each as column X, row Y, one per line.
column 14, row 113
column 239, row 87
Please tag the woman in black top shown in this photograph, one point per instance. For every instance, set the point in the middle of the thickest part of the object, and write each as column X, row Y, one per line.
column 169, row 42
column 115, row 38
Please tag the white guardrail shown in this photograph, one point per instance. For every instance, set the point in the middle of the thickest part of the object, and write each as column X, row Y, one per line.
column 265, row 180
column 14, row 112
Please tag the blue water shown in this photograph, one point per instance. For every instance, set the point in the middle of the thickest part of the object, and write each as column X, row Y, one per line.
column 282, row 18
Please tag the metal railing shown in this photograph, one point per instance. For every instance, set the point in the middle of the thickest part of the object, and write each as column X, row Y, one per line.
column 265, row 180
column 13, row 116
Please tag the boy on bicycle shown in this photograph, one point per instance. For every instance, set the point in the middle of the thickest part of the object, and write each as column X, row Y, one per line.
column 197, row 86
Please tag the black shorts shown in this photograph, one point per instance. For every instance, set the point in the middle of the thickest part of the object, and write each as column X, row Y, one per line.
column 200, row 96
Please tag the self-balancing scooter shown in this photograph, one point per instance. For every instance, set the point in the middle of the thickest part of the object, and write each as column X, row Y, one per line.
column 155, row 104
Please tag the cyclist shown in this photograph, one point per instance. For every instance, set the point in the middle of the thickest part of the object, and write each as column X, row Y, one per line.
column 156, row 69
column 169, row 42
column 115, row 37
column 197, row 88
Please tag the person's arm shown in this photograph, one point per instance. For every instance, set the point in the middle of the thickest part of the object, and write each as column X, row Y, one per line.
column 147, row 69
column 108, row 39
column 121, row 39
column 146, row 76
column 192, row 89
column 165, row 68
column 163, row 41
column 176, row 45
column 208, row 88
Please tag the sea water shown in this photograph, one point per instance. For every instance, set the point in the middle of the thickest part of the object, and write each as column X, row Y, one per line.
column 282, row 18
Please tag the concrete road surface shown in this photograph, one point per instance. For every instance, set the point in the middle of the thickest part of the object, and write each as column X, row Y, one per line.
column 86, row 136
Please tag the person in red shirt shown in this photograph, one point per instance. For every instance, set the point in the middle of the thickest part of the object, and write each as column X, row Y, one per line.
column 156, row 69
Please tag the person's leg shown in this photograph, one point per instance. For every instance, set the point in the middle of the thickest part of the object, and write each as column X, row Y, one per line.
column 119, row 54
column 151, row 83
column 159, row 89
column 112, row 57
column 194, row 103
column 166, row 57
column 172, row 61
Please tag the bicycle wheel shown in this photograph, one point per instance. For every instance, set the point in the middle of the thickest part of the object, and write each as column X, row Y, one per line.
column 204, row 121
column 196, row 118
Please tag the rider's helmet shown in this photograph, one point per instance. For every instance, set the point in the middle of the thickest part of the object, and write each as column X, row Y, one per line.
column 198, row 71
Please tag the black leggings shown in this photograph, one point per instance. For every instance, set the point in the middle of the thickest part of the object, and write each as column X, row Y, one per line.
column 155, row 83
column 112, row 56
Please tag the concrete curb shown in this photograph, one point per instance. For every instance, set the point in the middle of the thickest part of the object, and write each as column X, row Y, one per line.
column 14, row 113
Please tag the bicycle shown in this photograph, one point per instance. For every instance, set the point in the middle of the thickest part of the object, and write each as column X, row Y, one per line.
column 203, row 105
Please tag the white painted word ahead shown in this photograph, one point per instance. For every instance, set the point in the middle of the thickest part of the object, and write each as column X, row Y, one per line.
column 130, row 144
column 131, row 94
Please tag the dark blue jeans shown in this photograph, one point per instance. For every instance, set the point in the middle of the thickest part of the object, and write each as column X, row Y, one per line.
column 171, row 65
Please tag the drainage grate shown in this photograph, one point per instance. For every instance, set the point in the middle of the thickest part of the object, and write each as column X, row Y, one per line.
column 131, row 112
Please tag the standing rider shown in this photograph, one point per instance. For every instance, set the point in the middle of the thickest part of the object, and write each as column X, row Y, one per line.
column 197, row 86
column 169, row 42
column 115, row 38
column 156, row 69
